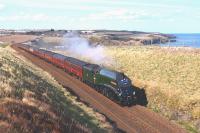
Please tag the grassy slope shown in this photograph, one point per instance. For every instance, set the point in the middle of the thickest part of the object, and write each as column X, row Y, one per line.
column 169, row 76
column 30, row 100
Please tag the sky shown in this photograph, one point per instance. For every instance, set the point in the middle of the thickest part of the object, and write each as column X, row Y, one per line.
column 167, row 16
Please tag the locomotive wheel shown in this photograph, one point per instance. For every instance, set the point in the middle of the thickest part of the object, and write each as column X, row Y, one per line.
column 105, row 92
column 111, row 95
column 108, row 93
column 101, row 89
column 122, row 103
column 98, row 89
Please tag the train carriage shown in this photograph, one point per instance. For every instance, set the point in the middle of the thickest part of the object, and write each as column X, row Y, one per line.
column 67, row 65
column 34, row 51
column 59, row 60
column 41, row 53
column 76, row 66
column 24, row 47
column 48, row 56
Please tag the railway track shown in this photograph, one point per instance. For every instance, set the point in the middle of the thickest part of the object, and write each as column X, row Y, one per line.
column 136, row 119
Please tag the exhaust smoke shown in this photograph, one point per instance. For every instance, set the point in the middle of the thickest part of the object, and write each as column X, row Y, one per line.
column 79, row 47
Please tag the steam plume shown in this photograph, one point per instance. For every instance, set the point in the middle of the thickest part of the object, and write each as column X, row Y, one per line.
column 77, row 46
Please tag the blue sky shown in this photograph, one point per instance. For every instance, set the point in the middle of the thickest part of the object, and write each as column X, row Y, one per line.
column 168, row 16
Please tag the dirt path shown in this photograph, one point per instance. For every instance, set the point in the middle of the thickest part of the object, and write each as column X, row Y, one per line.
column 136, row 119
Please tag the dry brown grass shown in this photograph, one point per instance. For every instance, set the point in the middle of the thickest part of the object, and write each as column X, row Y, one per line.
column 170, row 77
column 16, row 38
column 55, row 40
column 31, row 101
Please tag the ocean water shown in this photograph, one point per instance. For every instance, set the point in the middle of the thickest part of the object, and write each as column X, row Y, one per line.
column 185, row 40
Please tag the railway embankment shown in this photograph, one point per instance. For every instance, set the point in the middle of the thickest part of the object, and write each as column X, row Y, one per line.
column 169, row 76
column 31, row 101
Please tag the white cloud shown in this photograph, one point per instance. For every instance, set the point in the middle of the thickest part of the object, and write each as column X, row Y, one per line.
column 1, row 6
column 59, row 4
column 39, row 20
column 24, row 16
column 136, row 14
column 88, row 4
column 119, row 14
column 32, row 17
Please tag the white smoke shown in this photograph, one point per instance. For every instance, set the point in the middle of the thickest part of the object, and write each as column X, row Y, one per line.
column 78, row 46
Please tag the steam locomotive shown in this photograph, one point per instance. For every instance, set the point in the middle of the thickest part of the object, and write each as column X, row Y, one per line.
column 114, row 85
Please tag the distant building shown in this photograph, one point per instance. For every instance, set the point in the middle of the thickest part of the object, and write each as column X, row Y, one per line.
column 87, row 31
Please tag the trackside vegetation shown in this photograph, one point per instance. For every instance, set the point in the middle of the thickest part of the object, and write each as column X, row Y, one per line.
column 31, row 101
column 170, row 77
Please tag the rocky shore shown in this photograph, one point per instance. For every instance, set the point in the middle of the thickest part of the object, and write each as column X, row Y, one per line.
column 104, row 37
column 127, row 37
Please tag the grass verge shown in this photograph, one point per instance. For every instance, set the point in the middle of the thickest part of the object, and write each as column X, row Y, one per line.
column 170, row 77
column 31, row 101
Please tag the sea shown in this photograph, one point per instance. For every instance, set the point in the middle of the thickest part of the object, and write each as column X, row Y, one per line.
column 185, row 40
